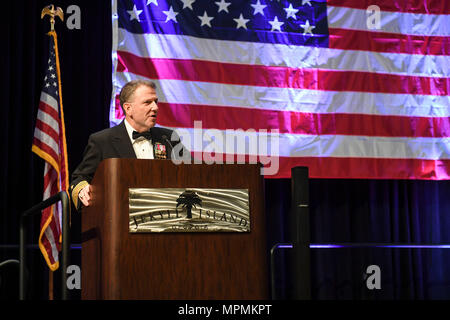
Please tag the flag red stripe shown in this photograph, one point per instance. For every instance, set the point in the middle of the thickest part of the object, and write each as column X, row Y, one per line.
column 49, row 177
column 45, row 214
column 48, row 247
column 348, row 39
column 55, row 229
column 49, row 110
column 64, row 171
column 409, row 6
column 358, row 168
column 282, row 77
column 183, row 116
column 44, row 147
column 53, row 224
column 369, row 168
column 57, row 224
column 47, row 129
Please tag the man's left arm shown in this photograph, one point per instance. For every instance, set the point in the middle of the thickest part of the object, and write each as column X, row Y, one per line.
column 84, row 173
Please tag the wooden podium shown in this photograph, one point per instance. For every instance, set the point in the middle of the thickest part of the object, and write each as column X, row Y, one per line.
column 117, row 264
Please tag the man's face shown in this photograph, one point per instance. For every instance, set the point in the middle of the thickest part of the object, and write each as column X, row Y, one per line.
column 142, row 108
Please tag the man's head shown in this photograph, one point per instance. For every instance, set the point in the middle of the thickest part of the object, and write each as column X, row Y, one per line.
column 139, row 103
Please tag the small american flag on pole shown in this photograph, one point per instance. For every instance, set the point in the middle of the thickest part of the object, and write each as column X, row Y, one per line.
column 49, row 143
column 356, row 88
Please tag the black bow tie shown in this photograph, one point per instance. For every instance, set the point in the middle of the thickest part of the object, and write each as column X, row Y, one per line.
column 147, row 135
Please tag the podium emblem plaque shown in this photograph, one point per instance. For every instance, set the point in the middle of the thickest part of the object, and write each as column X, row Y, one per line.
column 188, row 210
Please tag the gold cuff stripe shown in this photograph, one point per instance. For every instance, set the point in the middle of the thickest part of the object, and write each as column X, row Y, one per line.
column 76, row 190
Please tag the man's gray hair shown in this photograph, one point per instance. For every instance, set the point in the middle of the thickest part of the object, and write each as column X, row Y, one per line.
column 130, row 87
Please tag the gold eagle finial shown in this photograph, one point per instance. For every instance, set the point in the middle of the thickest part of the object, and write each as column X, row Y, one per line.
column 52, row 12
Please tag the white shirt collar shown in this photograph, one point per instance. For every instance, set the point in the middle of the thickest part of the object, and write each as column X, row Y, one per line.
column 130, row 130
column 143, row 148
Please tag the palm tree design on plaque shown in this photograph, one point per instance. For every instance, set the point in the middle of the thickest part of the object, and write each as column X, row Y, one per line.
column 189, row 199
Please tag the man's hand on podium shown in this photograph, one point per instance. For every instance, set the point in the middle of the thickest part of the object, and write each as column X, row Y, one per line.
column 85, row 195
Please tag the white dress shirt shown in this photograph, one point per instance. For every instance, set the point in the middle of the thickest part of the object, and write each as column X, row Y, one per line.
column 142, row 147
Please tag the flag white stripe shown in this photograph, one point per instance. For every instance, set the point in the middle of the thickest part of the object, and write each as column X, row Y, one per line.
column 266, row 54
column 49, row 120
column 47, row 192
column 51, row 238
column 52, row 181
column 58, row 215
column 46, row 167
column 45, row 138
column 49, row 100
column 298, row 145
column 392, row 22
column 48, row 188
column 296, row 100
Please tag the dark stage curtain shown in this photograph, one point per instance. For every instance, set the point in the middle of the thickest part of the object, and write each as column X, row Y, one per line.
column 340, row 210
column 85, row 58
column 368, row 211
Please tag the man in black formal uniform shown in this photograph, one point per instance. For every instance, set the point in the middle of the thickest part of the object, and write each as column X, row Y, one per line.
column 135, row 137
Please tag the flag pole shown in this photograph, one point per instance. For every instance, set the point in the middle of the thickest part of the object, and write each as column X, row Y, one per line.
column 50, row 285
column 52, row 12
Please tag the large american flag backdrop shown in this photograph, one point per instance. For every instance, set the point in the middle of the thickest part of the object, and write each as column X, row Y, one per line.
column 351, row 96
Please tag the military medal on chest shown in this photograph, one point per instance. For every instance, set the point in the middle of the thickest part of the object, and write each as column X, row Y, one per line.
column 160, row 151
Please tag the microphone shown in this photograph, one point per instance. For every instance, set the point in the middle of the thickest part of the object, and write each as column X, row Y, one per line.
column 164, row 137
